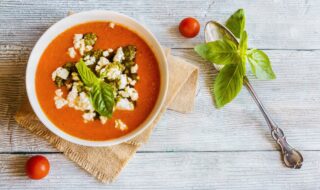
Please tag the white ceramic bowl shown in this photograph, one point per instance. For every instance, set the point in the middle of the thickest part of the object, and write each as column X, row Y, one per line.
column 83, row 17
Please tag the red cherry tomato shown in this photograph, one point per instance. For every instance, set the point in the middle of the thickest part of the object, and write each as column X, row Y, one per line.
column 37, row 167
column 189, row 27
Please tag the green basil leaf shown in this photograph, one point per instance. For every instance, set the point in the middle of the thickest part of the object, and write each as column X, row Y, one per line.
column 236, row 23
column 102, row 98
column 243, row 46
column 228, row 83
column 219, row 52
column 260, row 64
column 87, row 76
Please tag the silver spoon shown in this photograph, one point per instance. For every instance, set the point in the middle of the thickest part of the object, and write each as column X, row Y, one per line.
column 291, row 157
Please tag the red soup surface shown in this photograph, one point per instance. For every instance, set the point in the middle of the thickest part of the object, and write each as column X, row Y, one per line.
column 70, row 120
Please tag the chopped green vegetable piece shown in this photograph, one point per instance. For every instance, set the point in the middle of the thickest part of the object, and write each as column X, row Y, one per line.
column 129, row 52
column 59, row 82
column 90, row 39
column 70, row 67
column 97, row 54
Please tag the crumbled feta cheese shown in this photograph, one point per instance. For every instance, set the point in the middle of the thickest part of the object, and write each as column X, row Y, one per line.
column 134, row 69
column 120, row 125
column 110, row 50
column 72, row 95
column 122, row 83
column 88, row 116
column 133, row 94
column 105, row 53
column 112, row 25
column 119, row 56
column 60, row 72
column 112, row 73
column 124, row 104
column 103, row 119
column 59, row 92
column 124, row 94
column 87, row 57
column 77, row 37
column 59, row 102
column 72, row 52
column 103, row 61
column 132, row 82
column 88, row 48
column 84, row 102
column 90, row 61
column 54, row 75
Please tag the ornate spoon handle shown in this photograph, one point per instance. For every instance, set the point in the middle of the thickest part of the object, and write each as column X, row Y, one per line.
column 291, row 157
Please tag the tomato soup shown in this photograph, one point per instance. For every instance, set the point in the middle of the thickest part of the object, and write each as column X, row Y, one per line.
column 70, row 120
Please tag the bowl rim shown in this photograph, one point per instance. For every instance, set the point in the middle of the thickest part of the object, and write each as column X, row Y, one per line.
column 45, row 40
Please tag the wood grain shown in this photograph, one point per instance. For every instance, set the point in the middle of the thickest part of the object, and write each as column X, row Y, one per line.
column 293, row 100
column 176, row 170
column 208, row 149
column 277, row 24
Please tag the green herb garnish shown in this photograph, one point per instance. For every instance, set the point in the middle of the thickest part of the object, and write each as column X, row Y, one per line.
column 90, row 39
column 234, row 57
column 101, row 93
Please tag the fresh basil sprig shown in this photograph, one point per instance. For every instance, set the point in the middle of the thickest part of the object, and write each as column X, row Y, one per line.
column 101, row 93
column 234, row 56
column 220, row 52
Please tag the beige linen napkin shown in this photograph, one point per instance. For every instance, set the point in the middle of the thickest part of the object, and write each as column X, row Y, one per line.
column 105, row 163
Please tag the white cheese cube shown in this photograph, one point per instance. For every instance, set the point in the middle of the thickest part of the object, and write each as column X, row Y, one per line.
column 134, row 69
column 90, row 61
column 77, row 37
column 119, row 56
column 60, row 72
column 103, row 61
column 120, row 125
column 59, row 92
column 112, row 73
column 88, row 116
column 105, row 53
column 71, row 98
column 72, row 52
column 103, row 119
column 88, row 48
column 124, row 93
column 132, row 82
column 84, row 102
column 124, row 104
column 133, row 94
column 59, row 102
column 122, row 83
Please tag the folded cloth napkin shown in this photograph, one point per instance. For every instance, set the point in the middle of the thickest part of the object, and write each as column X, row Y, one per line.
column 105, row 163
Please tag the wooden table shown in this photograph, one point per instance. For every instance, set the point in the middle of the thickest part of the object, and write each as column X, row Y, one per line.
column 230, row 148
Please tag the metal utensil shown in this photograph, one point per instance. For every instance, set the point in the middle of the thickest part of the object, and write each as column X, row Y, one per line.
column 291, row 157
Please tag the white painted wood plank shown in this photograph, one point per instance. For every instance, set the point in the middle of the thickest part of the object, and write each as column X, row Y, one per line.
column 278, row 24
column 180, row 170
column 293, row 100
